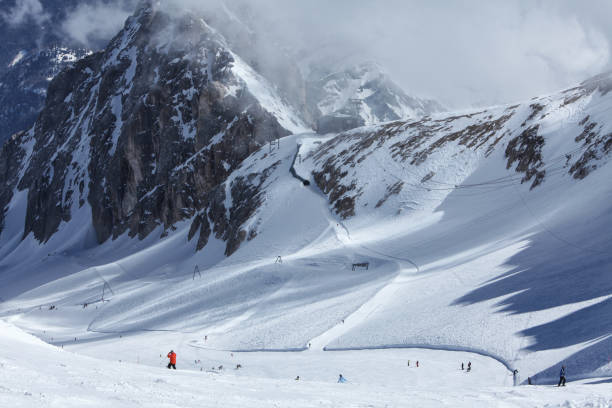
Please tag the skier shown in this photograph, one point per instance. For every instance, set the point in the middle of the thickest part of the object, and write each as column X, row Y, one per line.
column 408, row 363
column 172, row 357
column 417, row 363
column 469, row 368
column 297, row 378
column 561, row 377
column 515, row 377
column 529, row 380
column 341, row 379
column 462, row 366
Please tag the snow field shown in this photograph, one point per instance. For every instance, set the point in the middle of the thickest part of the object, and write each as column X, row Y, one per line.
column 475, row 261
column 33, row 373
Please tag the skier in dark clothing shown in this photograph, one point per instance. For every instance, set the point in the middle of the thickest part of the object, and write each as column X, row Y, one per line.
column 561, row 377
column 469, row 367
column 515, row 378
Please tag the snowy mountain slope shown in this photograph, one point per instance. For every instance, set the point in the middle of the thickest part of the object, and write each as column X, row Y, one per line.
column 484, row 231
column 237, row 288
column 434, row 157
column 518, row 217
column 361, row 95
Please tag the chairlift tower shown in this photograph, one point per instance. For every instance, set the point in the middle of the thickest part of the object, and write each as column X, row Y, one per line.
column 104, row 287
column 196, row 270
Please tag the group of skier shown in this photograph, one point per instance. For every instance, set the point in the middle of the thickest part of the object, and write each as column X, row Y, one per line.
column 342, row 379
column 516, row 381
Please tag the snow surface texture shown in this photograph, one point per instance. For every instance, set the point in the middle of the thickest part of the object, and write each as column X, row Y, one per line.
column 33, row 373
column 470, row 259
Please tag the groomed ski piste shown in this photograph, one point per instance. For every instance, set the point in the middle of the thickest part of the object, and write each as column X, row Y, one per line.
column 468, row 266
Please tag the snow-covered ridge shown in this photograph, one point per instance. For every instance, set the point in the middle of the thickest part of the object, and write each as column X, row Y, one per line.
column 266, row 95
column 527, row 138
column 363, row 95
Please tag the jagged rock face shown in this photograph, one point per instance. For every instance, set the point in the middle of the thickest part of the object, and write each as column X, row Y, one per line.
column 146, row 133
column 361, row 95
column 11, row 155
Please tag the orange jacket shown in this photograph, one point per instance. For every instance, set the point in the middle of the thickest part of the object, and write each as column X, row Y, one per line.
column 172, row 357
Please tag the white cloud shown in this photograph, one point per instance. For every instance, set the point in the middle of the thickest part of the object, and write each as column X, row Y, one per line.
column 91, row 23
column 465, row 52
column 24, row 9
column 462, row 53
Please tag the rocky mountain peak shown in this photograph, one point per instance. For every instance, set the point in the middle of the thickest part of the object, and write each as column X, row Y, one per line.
column 144, row 134
column 362, row 94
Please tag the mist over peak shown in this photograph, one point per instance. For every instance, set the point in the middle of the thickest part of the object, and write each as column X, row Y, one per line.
column 473, row 53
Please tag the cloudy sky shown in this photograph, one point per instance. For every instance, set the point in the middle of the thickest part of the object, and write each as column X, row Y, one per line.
column 467, row 53
column 462, row 53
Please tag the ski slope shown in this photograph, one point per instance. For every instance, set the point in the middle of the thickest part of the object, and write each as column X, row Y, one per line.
column 33, row 373
column 468, row 265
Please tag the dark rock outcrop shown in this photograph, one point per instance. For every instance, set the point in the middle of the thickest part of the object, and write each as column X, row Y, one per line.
column 146, row 133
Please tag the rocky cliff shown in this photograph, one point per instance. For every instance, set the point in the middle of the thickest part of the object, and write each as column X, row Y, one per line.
column 145, row 133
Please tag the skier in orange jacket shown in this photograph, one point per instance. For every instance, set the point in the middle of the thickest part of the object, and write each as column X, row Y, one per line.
column 172, row 357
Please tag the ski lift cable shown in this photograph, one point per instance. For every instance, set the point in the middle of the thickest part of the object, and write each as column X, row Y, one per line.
column 105, row 282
